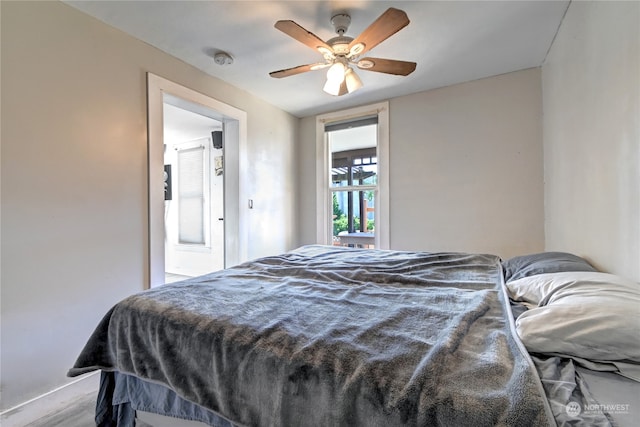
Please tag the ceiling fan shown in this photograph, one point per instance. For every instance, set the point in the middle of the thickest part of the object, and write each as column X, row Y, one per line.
column 341, row 52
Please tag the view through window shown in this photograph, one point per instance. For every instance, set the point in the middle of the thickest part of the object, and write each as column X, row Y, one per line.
column 353, row 187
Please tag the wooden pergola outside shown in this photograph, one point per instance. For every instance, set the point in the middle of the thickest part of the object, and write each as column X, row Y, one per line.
column 348, row 167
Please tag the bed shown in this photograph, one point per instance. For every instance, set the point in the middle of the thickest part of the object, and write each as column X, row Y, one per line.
column 334, row 336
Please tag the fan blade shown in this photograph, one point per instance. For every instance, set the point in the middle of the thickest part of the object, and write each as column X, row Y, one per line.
column 388, row 66
column 294, row 30
column 297, row 70
column 389, row 23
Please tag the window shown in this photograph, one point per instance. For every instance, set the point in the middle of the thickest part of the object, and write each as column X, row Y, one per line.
column 193, row 192
column 353, row 182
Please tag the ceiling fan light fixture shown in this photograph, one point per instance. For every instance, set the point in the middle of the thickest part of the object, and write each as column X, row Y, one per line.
column 352, row 80
column 336, row 73
column 332, row 87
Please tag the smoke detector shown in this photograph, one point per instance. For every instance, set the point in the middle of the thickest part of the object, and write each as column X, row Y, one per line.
column 223, row 58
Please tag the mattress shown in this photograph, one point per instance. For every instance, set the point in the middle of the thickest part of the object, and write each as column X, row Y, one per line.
column 159, row 406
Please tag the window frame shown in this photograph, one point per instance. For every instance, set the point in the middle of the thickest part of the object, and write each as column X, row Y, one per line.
column 324, row 230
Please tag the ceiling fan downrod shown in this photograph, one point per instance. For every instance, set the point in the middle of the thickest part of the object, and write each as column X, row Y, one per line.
column 341, row 23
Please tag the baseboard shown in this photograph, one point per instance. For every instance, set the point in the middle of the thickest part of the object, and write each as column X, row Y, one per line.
column 50, row 402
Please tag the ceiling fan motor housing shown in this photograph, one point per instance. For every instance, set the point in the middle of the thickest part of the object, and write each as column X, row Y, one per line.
column 340, row 44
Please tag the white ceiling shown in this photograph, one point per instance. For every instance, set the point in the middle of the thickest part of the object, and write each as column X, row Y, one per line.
column 451, row 41
column 181, row 125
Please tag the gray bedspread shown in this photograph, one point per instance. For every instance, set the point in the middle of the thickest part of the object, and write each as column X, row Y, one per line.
column 327, row 336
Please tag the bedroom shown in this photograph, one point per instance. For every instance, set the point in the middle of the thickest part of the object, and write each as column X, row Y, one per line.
column 74, row 192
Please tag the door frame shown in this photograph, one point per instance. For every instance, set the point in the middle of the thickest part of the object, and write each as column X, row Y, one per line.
column 235, row 158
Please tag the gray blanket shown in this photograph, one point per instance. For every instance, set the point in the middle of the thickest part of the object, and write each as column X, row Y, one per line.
column 327, row 336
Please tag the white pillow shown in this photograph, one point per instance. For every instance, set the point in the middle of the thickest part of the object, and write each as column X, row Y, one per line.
column 588, row 315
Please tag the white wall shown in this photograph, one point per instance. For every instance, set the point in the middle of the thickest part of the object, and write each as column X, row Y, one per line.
column 74, row 181
column 466, row 164
column 447, row 142
column 465, row 168
column 591, row 92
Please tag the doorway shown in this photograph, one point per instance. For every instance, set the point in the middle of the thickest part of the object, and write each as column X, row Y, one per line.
column 194, row 197
column 224, row 221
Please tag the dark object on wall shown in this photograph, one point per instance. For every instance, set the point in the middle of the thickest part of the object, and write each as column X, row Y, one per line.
column 167, row 182
column 216, row 137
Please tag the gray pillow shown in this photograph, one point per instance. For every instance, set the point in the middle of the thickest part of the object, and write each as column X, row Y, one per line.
column 542, row 263
column 585, row 315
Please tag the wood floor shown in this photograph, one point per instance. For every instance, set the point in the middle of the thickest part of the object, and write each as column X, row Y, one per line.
column 79, row 414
